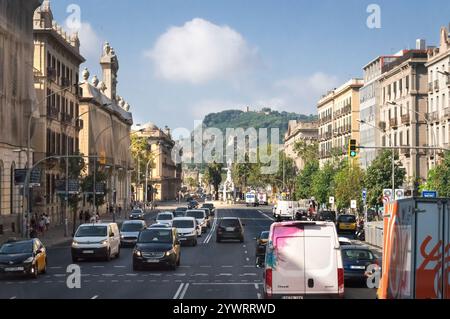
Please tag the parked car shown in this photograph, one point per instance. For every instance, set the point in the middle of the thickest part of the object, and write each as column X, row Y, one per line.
column 165, row 218
column 200, row 216
column 180, row 212
column 346, row 224
column 137, row 214
column 230, row 228
column 129, row 232
column 303, row 260
column 23, row 257
column 96, row 241
column 211, row 207
column 326, row 216
column 356, row 260
column 261, row 244
column 188, row 230
column 157, row 247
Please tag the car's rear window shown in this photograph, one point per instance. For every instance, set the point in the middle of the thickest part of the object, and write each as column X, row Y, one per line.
column 229, row 223
column 165, row 217
column 196, row 214
column 357, row 254
column 347, row 219
column 183, row 223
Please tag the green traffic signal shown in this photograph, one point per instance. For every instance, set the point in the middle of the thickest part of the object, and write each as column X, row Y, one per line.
column 352, row 148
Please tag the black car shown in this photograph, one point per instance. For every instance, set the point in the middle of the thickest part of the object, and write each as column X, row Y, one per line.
column 179, row 212
column 261, row 244
column 193, row 204
column 230, row 228
column 26, row 257
column 157, row 247
column 209, row 217
column 137, row 214
column 326, row 216
column 211, row 207
column 356, row 259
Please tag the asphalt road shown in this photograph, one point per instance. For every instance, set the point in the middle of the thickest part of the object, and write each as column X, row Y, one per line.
column 209, row 271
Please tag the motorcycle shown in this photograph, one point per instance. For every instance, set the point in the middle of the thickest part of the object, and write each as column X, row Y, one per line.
column 360, row 233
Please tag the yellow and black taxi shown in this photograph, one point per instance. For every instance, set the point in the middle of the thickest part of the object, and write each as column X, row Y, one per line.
column 23, row 257
column 261, row 244
column 159, row 246
column 346, row 224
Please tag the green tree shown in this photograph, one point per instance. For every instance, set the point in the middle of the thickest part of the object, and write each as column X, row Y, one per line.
column 307, row 151
column 214, row 175
column 379, row 177
column 87, row 186
column 191, row 182
column 141, row 154
column 439, row 178
column 323, row 183
column 348, row 184
column 304, row 180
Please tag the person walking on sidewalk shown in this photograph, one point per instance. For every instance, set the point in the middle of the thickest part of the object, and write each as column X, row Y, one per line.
column 120, row 211
column 42, row 224
column 47, row 222
column 87, row 216
column 81, row 217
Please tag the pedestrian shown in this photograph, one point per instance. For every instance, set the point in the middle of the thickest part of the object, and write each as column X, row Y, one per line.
column 120, row 211
column 47, row 222
column 87, row 216
column 81, row 216
column 42, row 224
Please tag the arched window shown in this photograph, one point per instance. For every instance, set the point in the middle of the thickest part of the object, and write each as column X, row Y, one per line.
column 11, row 188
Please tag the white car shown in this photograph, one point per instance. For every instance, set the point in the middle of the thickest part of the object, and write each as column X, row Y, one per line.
column 96, row 240
column 303, row 260
column 200, row 216
column 188, row 229
column 285, row 210
column 129, row 232
column 343, row 241
column 165, row 218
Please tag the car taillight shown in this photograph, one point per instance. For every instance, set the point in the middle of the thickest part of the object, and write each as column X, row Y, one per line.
column 341, row 282
column 268, row 276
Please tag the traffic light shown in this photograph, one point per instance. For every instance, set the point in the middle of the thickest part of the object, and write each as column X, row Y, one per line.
column 352, row 149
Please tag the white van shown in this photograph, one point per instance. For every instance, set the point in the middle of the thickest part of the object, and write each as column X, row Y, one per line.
column 285, row 210
column 251, row 199
column 96, row 241
column 303, row 260
column 188, row 229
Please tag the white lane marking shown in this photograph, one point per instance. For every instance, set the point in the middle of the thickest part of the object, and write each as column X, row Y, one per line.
column 248, row 266
column 247, row 259
column 59, row 275
column 246, row 252
column 205, row 266
column 259, row 295
column 184, row 291
column 12, row 298
column 180, row 275
column 98, row 266
column 246, row 275
column 224, row 275
column 95, row 297
column 200, row 275
column 131, row 275
column 108, row 275
column 178, row 291
column 244, row 246
column 55, row 267
column 227, row 266
column 256, row 286
column 266, row 215
column 222, row 283
column 211, row 232
column 157, row 275
column 119, row 266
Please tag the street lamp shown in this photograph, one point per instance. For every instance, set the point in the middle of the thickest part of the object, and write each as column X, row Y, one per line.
column 393, row 153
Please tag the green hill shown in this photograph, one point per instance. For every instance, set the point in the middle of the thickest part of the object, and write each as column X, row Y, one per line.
column 266, row 118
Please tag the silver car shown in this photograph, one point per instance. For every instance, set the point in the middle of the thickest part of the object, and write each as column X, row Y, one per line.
column 129, row 232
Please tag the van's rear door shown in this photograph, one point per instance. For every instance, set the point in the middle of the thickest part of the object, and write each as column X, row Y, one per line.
column 288, row 277
column 321, row 260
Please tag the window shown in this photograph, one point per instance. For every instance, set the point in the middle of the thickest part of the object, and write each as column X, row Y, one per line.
column 407, row 138
column 1, row 186
column 2, row 66
column 14, row 74
column 407, row 84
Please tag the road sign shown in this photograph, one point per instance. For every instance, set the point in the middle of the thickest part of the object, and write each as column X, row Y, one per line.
column 364, row 194
column 399, row 194
column 430, row 194
column 331, row 200
column 353, row 204
column 20, row 176
column 388, row 193
column 73, row 187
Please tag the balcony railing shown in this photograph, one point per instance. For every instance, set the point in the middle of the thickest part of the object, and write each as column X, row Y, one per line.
column 447, row 112
column 52, row 113
column 430, row 87
column 406, row 119
column 393, row 123
column 434, row 117
column 382, row 125
column 436, row 85
column 66, row 118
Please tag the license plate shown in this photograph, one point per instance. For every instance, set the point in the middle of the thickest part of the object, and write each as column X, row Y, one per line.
column 152, row 261
column 182, row 239
column 88, row 251
column 230, row 229
column 292, row 297
column 358, row 267
column 14, row 269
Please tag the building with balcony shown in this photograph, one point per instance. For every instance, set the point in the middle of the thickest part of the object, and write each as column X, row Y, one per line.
column 306, row 132
column 105, row 133
column 370, row 105
column 164, row 176
column 17, row 102
column 338, row 120
column 57, row 61
column 439, row 97
column 403, row 111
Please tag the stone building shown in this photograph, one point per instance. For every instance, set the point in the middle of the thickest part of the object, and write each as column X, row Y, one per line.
column 403, row 117
column 297, row 132
column 17, row 103
column 164, row 178
column 105, row 133
column 439, row 97
column 57, row 61
column 338, row 120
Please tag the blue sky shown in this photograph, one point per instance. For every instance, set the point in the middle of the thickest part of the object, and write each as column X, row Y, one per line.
column 228, row 53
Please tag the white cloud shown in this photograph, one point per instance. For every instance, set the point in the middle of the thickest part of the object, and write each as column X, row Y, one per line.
column 200, row 51
column 90, row 43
